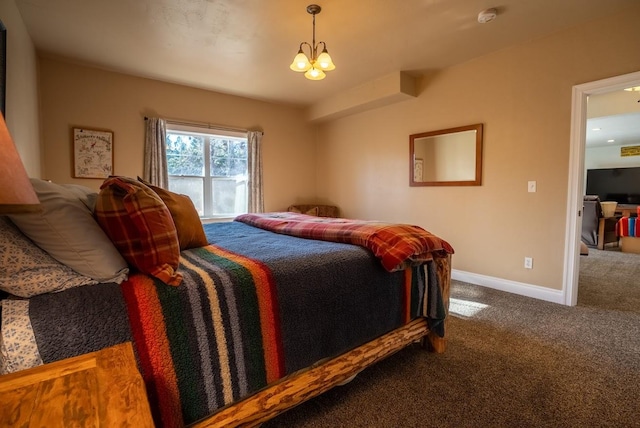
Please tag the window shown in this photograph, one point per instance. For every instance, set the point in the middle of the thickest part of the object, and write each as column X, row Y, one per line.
column 210, row 166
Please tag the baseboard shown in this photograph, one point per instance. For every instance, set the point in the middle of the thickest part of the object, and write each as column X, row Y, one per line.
column 521, row 288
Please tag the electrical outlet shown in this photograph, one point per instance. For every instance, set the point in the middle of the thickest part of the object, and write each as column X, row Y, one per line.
column 528, row 262
column 531, row 186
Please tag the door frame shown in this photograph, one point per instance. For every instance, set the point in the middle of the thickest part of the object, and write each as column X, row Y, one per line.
column 580, row 93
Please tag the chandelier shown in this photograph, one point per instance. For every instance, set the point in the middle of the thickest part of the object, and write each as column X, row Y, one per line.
column 313, row 65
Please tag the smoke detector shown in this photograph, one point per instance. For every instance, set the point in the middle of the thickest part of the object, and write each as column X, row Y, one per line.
column 487, row 15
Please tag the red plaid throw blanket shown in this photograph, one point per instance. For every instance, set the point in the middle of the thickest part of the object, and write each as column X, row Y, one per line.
column 396, row 245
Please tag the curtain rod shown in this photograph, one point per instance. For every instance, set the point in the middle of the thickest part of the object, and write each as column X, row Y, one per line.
column 205, row 125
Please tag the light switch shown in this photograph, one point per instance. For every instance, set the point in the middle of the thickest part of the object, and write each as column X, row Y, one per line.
column 531, row 186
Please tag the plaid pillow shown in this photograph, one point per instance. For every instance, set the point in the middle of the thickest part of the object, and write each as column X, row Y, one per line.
column 140, row 226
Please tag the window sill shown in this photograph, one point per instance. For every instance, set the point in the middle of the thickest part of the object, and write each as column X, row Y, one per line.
column 206, row 220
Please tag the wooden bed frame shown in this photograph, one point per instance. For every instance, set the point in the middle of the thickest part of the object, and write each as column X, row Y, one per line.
column 310, row 382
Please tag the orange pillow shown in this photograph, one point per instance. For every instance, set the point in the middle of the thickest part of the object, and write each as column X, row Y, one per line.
column 140, row 226
column 185, row 217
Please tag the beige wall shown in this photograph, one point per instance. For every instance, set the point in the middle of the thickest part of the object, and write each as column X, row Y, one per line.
column 73, row 95
column 22, row 88
column 523, row 97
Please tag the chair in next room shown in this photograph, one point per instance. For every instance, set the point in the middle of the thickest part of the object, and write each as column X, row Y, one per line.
column 597, row 230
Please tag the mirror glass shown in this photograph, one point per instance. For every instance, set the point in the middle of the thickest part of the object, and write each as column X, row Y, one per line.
column 447, row 157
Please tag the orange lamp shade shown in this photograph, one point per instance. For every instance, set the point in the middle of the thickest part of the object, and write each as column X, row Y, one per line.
column 16, row 192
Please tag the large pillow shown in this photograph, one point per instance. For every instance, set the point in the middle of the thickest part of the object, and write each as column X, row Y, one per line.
column 86, row 195
column 26, row 270
column 185, row 217
column 140, row 226
column 66, row 229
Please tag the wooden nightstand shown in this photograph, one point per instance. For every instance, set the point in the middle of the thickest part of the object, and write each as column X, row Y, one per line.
column 99, row 389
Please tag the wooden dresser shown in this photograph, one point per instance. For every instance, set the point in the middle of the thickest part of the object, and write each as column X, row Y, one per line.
column 99, row 389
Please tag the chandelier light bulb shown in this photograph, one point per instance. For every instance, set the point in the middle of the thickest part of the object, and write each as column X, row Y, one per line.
column 324, row 61
column 315, row 74
column 300, row 62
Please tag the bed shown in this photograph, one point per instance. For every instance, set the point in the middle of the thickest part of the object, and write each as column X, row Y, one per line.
column 261, row 320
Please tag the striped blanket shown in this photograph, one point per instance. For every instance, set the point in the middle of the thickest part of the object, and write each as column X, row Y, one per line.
column 217, row 338
column 396, row 245
column 253, row 307
column 628, row 226
column 209, row 342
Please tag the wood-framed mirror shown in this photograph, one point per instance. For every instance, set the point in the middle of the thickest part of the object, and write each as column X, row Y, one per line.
column 446, row 157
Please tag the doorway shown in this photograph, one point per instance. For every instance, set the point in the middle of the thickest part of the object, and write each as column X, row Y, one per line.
column 580, row 94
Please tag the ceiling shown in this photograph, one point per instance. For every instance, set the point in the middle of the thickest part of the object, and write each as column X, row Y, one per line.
column 244, row 47
column 615, row 130
column 613, row 119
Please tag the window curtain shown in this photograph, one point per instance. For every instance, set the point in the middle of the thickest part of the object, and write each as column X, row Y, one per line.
column 155, row 153
column 256, row 200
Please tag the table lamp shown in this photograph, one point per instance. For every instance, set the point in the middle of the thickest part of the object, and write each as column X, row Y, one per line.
column 16, row 192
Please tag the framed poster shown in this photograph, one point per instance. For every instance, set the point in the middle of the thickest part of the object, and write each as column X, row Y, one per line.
column 92, row 153
column 630, row 151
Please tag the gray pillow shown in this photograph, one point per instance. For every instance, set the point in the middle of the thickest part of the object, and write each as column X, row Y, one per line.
column 85, row 194
column 67, row 231
column 26, row 270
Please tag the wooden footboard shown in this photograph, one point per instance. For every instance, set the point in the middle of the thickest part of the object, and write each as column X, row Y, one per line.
column 310, row 382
